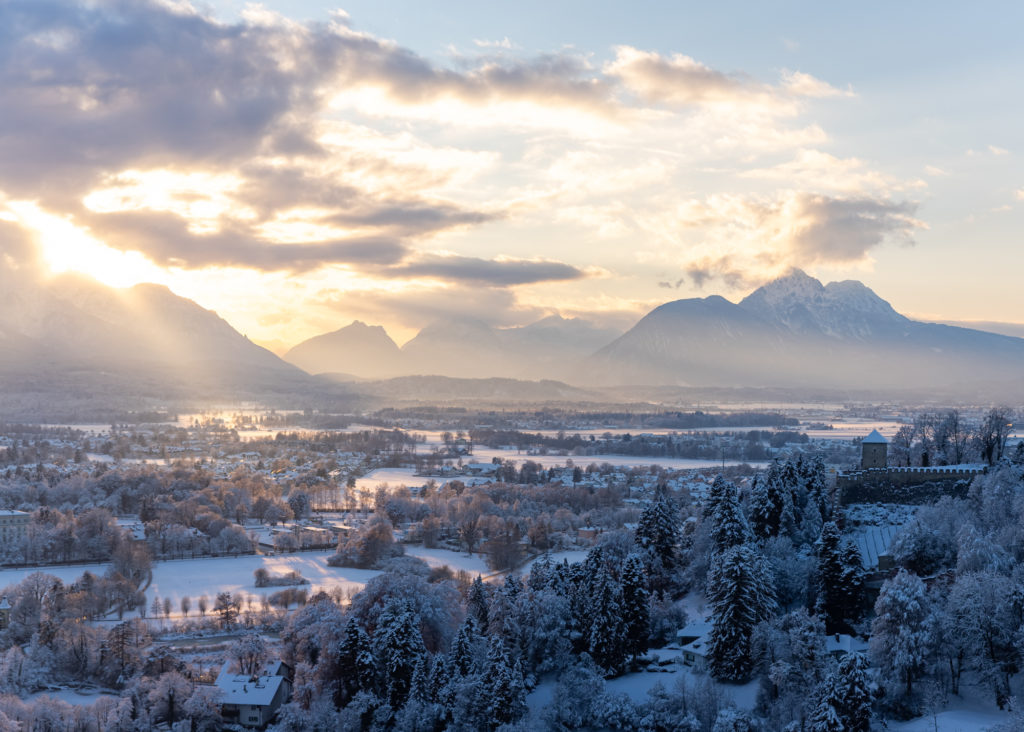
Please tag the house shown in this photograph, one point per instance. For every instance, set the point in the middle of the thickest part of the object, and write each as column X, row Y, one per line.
column 253, row 700
column 5, row 613
column 694, row 641
column 13, row 525
column 840, row 644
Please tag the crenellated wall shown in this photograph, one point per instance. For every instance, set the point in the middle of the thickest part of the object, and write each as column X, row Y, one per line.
column 904, row 485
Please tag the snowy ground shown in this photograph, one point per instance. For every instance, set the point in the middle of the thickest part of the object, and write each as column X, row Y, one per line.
column 966, row 715
column 78, row 697
column 395, row 477
column 474, row 565
column 572, row 556
column 195, row 577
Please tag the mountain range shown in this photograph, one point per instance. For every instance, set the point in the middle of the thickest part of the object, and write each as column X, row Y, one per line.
column 797, row 332
column 72, row 341
column 461, row 348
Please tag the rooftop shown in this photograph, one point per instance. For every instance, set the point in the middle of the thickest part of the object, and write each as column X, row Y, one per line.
column 875, row 437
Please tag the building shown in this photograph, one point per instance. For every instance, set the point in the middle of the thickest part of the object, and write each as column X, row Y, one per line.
column 252, row 701
column 874, row 451
column 5, row 613
column 13, row 525
column 694, row 642
column 875, row 482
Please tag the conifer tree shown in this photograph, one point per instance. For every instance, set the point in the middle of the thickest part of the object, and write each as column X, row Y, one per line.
column 658, row 530
column 741, row 596
column 606, row 636
column 852, row 581
column 729, row 526
column 462, row 654
column 636, row 606
column 355, row 662
column 768, row 504
column 831, row 595
column 477, row 603
column 398, row 645
column 852, row 693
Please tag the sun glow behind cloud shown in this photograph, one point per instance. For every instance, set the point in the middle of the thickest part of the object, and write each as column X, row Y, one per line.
column 66, row 247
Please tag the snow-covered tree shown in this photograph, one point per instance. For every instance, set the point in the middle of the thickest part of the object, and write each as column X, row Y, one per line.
column 397, row 646
column 728, row 524
column 606, row 634
column 355, row 663
column 636, row 606
column 900, row 635
column 657, row 532
column 741, row 596
column 248, row 653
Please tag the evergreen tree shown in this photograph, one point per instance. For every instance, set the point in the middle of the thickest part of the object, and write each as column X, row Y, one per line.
column 636, row 606
column 728, row 524
column 477, row 603
column 852, row 693
column 505, row 689
column 355, row 663
column 398, row 645
column 607, row 637
column 658, row 530
column 462, row 655
column 741, row 596
column 769, row 505
column 852, row 581
column 831, row 593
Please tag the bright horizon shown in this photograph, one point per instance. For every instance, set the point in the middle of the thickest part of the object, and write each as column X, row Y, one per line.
column 294, row 168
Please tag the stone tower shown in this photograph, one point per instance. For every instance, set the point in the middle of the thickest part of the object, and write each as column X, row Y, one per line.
column 874, row 451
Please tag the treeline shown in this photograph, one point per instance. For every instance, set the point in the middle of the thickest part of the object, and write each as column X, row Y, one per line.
column 951, row 438
column 462, row 418
column 748, row 445
column 184, row 511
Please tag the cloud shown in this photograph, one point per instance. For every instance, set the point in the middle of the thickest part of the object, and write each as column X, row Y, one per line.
column 995, row 150
column 814, row 169
column 680, row 80
column 165, row 239
column 493, row 272
column 742, row 239
column 842, row 230
column 703, row 271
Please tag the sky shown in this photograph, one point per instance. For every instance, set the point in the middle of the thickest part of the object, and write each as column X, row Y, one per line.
column 298, row 165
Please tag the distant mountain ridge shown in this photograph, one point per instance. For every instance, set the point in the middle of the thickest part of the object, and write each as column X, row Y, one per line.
column 462, row 347
column 73, row 338
column 794, row 332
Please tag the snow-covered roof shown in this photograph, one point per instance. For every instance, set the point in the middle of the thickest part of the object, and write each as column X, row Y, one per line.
column 875, row 438
column 246, row 689
column 841, row 643
column 875, row 542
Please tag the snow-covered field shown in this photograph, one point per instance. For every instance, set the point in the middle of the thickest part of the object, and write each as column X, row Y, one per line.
column 474, row 565
column 963, row 715
column 83, row 697
column 195, row 577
